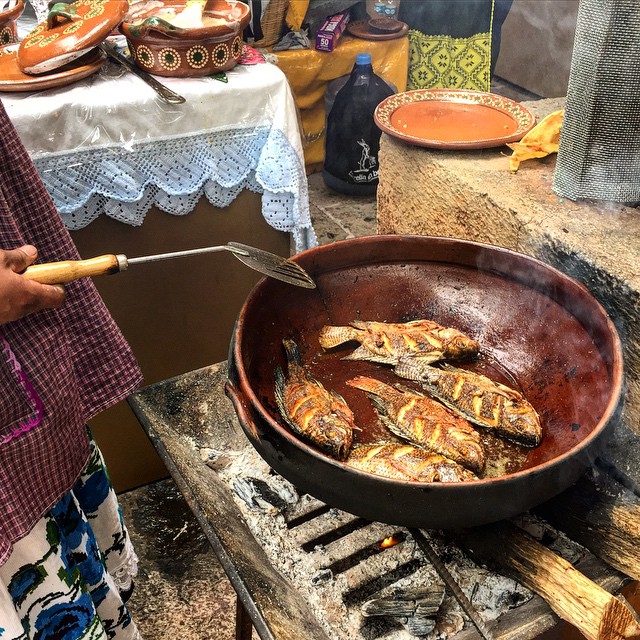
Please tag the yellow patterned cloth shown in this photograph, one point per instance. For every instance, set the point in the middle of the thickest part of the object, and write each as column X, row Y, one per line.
column 296, row 11
column 453, row 44
column 444, row 62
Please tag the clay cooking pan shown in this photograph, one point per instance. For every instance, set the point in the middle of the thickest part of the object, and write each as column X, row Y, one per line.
column 540, row 331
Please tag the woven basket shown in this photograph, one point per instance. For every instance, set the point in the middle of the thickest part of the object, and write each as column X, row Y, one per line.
column 272, row 23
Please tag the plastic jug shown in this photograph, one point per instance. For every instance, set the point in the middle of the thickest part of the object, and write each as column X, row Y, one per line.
column 352, row 138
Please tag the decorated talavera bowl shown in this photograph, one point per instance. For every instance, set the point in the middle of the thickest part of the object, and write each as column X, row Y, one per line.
column 186, row 39
column 9, row 14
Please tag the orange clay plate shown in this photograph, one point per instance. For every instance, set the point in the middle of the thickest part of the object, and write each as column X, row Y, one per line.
column 453, row 119
column 13, row 79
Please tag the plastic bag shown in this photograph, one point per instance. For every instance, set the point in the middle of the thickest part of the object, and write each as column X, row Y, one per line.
column 353, row 138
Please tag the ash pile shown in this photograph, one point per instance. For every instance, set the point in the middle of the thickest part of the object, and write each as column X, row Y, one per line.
column 370, row 580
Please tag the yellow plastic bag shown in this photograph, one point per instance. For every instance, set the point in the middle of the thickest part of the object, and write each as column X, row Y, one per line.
column 541, row 141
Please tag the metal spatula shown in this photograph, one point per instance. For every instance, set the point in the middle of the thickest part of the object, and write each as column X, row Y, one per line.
column 262, row 261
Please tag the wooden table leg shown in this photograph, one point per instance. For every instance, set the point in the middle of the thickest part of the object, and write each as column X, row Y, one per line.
column 244, row 626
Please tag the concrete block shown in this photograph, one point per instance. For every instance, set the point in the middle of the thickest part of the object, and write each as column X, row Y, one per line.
column 472, row 195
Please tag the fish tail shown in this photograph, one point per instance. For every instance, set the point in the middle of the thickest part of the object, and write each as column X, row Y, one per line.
column 293, row 353
column 333, row 336
column 370, row 385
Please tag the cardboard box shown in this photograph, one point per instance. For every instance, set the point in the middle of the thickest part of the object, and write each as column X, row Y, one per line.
column 329, row 33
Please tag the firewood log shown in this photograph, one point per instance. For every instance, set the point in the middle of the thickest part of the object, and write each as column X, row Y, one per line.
column 596, row 613
column 601, row 518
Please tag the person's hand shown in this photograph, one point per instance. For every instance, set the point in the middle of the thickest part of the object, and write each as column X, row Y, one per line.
column 18, row 296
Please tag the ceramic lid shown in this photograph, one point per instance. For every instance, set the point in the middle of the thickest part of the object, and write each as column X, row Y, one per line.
column 68, row 33
column 13, row 79
column 10, row 10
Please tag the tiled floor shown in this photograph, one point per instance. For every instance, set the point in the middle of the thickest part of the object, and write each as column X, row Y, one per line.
column 181, row 591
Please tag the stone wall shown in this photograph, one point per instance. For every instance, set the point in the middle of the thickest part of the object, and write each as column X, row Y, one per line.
column 472, row 195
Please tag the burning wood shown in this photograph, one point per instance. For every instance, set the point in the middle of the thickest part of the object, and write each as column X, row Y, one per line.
column 596, row 613
column 391, row 541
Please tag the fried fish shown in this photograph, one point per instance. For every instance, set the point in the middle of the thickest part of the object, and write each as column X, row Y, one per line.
column 319, row 415
column 389, row 342
column 424, row 422
column 480, row 400
column 406, row 462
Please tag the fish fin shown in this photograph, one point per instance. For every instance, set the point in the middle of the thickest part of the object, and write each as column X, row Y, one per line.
column 280, row 383
column 508, row 392
column 429, row 358
column 293, row 353
column 336, row 395
column 362, row 353
column 404, row 389
column 359, row 324
column 395, row 429
column 412, row 369
column 371, row 385
column 449, row 367
column 331, row 336
column 378, row 405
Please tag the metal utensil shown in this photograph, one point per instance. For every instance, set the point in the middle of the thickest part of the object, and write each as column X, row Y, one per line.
column 169, row 96
column 268, row 263
column 452, row 585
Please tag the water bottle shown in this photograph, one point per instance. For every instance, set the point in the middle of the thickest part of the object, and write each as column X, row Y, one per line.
column 352, row 138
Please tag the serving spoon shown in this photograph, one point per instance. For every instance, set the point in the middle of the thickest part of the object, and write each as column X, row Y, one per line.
column 166, row 94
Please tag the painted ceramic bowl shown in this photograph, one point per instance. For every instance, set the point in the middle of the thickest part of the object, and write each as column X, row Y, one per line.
column 186, row 39
column 9, row 14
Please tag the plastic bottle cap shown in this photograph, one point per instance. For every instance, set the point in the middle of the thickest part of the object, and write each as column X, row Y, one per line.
column 363, row 58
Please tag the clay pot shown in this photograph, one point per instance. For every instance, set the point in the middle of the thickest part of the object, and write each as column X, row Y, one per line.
column 8, row 20
column 166, row 50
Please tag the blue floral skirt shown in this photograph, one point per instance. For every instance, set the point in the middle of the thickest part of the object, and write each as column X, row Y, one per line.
column 64, row 580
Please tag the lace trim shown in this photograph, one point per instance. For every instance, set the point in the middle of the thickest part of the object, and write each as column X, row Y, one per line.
column 123, row 576
column 174, row 173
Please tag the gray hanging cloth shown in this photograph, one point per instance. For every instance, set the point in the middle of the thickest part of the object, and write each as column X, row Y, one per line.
column 599, row 154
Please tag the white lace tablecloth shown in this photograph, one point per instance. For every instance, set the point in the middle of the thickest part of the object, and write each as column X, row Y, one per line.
column 108, row 146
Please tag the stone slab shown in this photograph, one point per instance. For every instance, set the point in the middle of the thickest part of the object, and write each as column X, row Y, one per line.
column 472, row 195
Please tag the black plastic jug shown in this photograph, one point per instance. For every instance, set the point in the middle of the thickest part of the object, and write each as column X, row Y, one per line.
column 352, row 138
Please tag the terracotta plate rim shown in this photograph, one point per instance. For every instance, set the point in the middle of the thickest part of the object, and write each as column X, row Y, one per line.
column 81, row 68
column 521, row 116
column 360, row 29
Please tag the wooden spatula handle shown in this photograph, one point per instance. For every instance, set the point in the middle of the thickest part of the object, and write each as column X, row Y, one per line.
column 68, row 270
